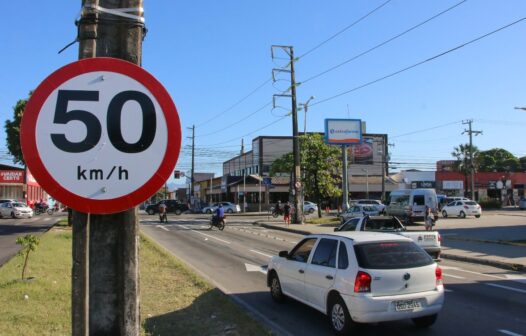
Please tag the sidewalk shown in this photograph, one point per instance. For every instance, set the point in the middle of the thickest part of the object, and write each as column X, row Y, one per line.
column 497, row 254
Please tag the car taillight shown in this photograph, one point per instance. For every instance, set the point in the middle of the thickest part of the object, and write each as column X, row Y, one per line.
column 439, row 237
column 362, row 283
column 438, row 276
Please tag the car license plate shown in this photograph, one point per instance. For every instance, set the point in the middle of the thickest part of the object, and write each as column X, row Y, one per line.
column 407, row 305
column 429, row 237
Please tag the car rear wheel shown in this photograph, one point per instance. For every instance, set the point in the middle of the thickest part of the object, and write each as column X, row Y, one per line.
column 150, row 211
column 462, row 214
column 275, row 288
column 13, row 215
column 208, row 211
column 339, row 317
column 477, row 216
column 444, row 213
column 230, row 211
column 178, row 212
column 311, row 210
column 425, row 321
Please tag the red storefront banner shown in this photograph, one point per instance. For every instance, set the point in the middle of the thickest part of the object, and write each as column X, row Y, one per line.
column 11, row 176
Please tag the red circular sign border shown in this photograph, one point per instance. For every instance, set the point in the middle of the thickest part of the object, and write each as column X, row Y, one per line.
column 44, row 178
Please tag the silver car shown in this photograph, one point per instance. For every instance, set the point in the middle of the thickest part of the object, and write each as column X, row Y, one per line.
column 309, row 207
column 358, row 210
column 227, row 206
column 15, row 210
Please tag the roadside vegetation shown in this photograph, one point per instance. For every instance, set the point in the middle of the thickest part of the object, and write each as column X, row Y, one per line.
column 174, row 300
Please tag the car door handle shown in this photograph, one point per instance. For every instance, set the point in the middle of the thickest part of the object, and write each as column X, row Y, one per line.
column 301, row 271
column 330, row 277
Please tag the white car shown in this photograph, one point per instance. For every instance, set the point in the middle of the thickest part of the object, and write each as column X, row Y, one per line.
column 15, row 210
column 358, row 211
column 310, row 207
column 375, row 203
column 359, row 277
column 227, row 206
column 462, row 209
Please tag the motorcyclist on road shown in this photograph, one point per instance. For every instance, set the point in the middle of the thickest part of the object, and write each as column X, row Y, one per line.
column 162, row 213
column 219, row 213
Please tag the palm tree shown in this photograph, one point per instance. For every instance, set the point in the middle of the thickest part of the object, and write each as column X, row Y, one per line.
column 463, row 164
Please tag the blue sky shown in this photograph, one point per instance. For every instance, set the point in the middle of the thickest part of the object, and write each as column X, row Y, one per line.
column 210, row 55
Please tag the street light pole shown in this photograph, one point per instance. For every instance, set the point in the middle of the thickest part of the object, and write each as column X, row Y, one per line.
column 305, row 108
column 366, row 182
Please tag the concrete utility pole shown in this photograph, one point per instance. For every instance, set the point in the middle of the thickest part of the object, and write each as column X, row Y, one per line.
column 193, row 162
column 471, row 165
column 297, row 217
column 105, row 272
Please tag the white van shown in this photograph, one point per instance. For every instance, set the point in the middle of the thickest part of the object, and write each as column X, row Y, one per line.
column 410, row 204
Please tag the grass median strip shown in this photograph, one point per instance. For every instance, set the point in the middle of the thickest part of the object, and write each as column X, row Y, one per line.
column 174, row 300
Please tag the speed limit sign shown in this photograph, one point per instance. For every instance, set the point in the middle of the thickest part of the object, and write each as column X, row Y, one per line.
column 101, row 135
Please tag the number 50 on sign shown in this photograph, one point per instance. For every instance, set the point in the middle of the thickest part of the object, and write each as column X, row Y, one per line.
column 101, row 135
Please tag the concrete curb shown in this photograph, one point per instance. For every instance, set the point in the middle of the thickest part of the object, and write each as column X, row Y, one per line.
column 279, row 228
column 494, row 263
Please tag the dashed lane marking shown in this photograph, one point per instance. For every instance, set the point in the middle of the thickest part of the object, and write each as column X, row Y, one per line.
column 507, row 332
column 263, row 254
column 204, row 234
column 453, row 276
column 506, row 287
column 162, row 227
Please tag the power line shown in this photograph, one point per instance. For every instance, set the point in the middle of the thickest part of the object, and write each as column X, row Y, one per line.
column 237, row 103
column 382, row 44
column 419, row 63
column 344, row 29
column 426, row 129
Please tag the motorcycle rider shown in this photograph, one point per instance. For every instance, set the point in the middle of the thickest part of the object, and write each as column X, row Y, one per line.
column 277, row 208
column 220, row 214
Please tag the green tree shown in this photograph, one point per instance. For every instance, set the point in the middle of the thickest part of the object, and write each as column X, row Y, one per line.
column 522, row 160
column 29, row 243
column 498, row 159
column 12, row 129
column 321, row 166
column 462, row 154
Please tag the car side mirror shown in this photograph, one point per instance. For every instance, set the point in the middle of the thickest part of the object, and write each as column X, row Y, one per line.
column 284, row 254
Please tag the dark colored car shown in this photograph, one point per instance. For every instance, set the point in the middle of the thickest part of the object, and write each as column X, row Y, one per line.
column 173, row 206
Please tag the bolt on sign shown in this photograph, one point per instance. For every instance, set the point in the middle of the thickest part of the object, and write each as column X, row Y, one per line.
column 101, row 135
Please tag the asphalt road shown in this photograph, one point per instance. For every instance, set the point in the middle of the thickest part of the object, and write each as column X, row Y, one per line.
column 480, row 300
column 11, row 228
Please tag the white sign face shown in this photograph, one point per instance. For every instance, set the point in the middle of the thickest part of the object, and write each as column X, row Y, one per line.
column 103, row 171
column 101, row 135
column 343, row 131
column 452, row 185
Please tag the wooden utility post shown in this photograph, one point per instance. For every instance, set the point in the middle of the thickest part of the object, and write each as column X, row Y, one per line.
column 105, row 274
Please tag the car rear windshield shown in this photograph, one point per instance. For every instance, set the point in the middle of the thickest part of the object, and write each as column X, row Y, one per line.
column 391, row 255
column 471, row 203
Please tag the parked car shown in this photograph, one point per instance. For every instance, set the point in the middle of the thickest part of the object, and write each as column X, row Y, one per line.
column 359, row 277
column 522, row 203
column 430, row 241
column 309, row 207
column 227, row 206
column 462, row 209
column 375, row 203
column 172, row 206
column 15, row 210
column 358, row 211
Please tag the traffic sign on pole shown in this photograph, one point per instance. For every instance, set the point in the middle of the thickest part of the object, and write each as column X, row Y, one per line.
column 101, row 135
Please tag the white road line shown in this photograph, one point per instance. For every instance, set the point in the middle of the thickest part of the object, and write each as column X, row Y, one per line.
column 162, row 227
column 448, row 290
column 507, row 332
column 204, row 234
column 263, row 254
column 472, row 272
column 47, row 219
column 508, row 288
column 453, row 276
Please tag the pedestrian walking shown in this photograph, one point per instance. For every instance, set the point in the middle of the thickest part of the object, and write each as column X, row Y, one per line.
column 286, row 213
column 428, row 219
